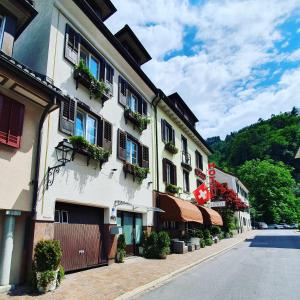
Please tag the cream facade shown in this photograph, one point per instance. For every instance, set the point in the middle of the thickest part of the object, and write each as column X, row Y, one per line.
column 109, row 190
column 244, row 220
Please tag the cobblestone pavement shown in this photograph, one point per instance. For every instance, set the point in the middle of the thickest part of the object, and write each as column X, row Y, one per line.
column 114, row 280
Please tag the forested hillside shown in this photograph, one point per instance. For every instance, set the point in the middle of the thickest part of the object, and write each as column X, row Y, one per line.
column 263, row 156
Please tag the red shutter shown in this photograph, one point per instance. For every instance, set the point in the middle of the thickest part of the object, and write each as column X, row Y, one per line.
column 15, row 124
column 4, row 119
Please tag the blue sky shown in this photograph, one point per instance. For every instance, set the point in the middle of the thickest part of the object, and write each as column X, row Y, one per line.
column 232, row 61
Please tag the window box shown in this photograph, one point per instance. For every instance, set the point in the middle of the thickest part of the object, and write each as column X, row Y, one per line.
column 170, row 147
column 83, row 147
column 136, row 171
column 97, row 88
column 172, row 189
column 136, row 119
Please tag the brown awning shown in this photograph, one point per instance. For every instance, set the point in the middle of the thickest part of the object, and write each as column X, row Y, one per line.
column 178, row 210
column 210, row 216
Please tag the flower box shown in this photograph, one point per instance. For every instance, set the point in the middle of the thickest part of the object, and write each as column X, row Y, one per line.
column 136, row 119
column 136, row 171
column 170, row 147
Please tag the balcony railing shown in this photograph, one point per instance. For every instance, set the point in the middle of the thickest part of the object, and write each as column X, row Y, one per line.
column 186, row 160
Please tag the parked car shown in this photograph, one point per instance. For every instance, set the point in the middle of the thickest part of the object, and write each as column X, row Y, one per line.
column 294, row 226
column 280, row 226
column 286, row 226
column 272, row 226
column 262, row 225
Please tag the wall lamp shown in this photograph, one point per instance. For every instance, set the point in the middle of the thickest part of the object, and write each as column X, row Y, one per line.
column 64, row 153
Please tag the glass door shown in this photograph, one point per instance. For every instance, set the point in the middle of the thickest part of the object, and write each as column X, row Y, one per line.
column 128, row 230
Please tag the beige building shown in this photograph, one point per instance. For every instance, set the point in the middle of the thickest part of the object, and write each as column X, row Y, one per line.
column 25, row 98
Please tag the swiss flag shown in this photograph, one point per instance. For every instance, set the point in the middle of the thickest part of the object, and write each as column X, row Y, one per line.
column 202, row 194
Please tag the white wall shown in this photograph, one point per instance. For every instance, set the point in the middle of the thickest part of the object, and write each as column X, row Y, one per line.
column 78, row 183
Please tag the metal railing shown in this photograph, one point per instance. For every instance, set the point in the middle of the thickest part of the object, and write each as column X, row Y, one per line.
column 186, row 158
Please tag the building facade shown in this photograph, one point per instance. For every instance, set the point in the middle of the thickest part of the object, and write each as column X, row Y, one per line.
column 25, row 98
column 233, row 182
column 85, row 200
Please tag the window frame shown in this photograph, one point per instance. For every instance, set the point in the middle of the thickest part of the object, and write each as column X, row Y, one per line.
column 86, row 115
column 57, row 211
column 184, row 144
column 67, row 214
column 131, row 152
column 90, row 56
column 2, row 25
column 129, row 97
column 186, row 184
column 199, row 160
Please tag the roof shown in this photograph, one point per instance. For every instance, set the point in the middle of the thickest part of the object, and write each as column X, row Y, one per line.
column 131, row 42
column 107, row 8
column 178, row 210
column 185, row 121
column 82, row 4
column 175, row 96
column 36, row 79
column 210, row 216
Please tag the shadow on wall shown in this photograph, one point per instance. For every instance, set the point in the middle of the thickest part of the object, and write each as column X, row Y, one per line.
column 275, row 241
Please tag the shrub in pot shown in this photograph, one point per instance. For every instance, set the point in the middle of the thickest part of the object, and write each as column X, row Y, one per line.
column 202, row 243
column 208, row 242
column 47, row 257
column 121, row 246
column 151, row 248
column 143, row 242
column 163, row 244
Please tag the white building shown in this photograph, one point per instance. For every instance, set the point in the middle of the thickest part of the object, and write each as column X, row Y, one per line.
column 244, row 221
column 79, row 205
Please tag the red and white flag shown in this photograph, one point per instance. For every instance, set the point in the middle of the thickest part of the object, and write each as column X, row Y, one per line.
column 202, row 194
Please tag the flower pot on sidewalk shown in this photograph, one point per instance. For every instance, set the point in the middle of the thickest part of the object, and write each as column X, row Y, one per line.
column 46, row 281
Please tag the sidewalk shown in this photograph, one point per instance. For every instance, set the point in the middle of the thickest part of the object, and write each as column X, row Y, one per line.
column 129, row 278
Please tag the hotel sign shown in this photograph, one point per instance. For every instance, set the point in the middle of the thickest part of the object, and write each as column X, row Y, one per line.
column 216, row 204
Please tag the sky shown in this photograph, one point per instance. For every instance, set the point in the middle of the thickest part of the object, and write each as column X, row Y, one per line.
column 232, row 61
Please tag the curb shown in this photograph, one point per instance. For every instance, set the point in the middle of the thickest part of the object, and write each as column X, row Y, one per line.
column 142, row 289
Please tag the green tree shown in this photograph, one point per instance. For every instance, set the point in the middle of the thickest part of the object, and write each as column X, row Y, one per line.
column 272, row 190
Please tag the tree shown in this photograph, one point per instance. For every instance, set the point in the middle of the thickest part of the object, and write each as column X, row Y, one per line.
column 272, row 189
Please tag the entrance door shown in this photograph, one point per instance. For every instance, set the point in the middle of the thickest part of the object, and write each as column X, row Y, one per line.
column 132, row 225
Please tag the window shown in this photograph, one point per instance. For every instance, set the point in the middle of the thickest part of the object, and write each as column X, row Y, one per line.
column 199, row 160
column 86, row 126
column 11, row 121
column 183, row 144
column 109, row 74
column 2, row 21
column 186, row 181
column 91, row 62
column 167, row 132
column 61, row 216
column 169, row 172
column 132, row 102
column 131, row 152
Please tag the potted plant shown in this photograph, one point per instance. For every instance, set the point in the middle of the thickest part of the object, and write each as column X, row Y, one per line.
column 121, row 246
column 143, row 242
column 137, row 119
column 163, row 244
column 170, row 147
column 172, row 189
column 151, row 249
column 47, row 257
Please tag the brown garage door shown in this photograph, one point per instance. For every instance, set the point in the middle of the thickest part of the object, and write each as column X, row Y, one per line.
column 81, row 245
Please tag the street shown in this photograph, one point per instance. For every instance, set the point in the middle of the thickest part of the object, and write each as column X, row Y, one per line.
column 266, row 267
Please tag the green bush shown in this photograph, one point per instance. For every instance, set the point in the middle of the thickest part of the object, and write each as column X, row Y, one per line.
column 173, row 189
column 47, row 255
column 163, row 243
column 227, row 235
column 46, row 278
column 202, row 243
column 221, row 235
column 206, row 234
column 208, row 242
column 60, row 274
column 121, row 246
column 215, row 230
column 230, row 233
column 198, row 233
column 151, row 249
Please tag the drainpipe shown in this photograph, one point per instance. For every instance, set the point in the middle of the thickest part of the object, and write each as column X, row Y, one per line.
column 155, row 102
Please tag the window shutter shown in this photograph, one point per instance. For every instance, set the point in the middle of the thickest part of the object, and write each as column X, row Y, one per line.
column 122, row 91
column 163, row 132
column 173, row 136
column 145, row 157
column 71, row 44
column 15, row 124
column 145, row 107
column 174, row 175
column 102, row 69
column 4, row 119
column 121, row 145
column 109, row 73
column 67, row 116
column 164, row 170
column 107, row 135
column 140, row 105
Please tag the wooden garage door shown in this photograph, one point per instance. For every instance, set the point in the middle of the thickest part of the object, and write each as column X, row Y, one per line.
column 81, row 245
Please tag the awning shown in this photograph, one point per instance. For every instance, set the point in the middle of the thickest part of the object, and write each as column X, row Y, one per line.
column 178, row 210
column 210, row 216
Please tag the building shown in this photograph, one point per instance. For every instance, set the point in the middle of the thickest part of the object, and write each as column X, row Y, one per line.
column 25, row 100
column 82, row 202
column 233, row 182
column 181, row 163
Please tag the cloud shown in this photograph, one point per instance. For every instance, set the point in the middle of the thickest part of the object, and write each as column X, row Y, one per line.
column 234, row 41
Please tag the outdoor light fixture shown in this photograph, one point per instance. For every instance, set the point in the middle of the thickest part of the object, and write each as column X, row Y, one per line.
column 114, row 170
column 64, row 152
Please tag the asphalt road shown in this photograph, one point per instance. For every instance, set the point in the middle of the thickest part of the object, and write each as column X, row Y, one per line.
column 266, row 267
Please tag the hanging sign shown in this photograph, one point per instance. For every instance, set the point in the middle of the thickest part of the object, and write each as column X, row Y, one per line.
column 200, row 174
column 216, row 204
column 212, row 176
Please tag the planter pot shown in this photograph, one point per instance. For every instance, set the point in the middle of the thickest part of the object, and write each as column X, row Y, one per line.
column 162, row 255
column 195, row 240
column 119, row 258
column 51, row 286
column 141, row 251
